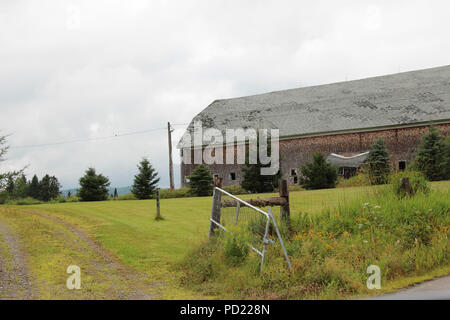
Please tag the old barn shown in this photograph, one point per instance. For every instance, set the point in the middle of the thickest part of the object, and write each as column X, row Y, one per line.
column 340, row 120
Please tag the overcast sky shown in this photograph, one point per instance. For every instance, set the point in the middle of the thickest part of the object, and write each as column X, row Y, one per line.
column 76, row 70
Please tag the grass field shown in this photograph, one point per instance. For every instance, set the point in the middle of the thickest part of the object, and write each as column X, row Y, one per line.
column 55, row 236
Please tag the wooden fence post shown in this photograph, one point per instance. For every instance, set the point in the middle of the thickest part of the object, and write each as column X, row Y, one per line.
column 216, row 205
column 406, row 185
column 284, row 193
column 158, row 211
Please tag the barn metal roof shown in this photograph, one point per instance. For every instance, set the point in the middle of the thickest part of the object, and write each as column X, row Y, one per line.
column 408, row 98
column 349, row 162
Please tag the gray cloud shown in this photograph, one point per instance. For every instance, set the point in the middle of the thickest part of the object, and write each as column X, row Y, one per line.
column 87, row 69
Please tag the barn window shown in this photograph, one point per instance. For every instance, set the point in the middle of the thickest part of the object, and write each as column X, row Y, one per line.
column 293, row 172
column 402, row 165
column 295, row 180
column 341, row 171
column 216, row 176
column 233, row 176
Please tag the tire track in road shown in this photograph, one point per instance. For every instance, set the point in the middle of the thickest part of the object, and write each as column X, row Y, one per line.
column 127, row 274
column 14, row 278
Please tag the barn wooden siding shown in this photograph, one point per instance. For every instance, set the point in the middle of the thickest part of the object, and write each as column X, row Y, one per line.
column 401, row 142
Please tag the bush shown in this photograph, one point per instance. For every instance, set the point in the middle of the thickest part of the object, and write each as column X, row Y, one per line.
column 236, row 248
column 359, row 180
column 3, row 197
column 24, row 201
column 175, row 193
column 417, row 181
column 235, row 189
column 128, row 196
column 319, row 173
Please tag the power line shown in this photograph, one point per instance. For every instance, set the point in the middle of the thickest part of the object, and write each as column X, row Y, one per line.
column 87, row 140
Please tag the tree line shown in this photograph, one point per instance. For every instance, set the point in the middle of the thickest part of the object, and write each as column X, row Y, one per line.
column 45, row 189
column 432, row 160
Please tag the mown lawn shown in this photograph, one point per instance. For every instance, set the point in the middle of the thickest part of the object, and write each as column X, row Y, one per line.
column 129, row 231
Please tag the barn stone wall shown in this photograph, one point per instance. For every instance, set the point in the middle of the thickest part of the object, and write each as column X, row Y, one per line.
column 401, row 142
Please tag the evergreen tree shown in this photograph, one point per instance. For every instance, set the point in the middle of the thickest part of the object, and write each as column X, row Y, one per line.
column 20, row 187
column 378, row 163
column 319, row 173
column 252, row 179
column 145, row 181
column 49, row 188
column 10, row 185
column 69, row 194
column 116, row 194
column 430, row 156
column 447, row 158
column 201, row 181
column 93, row 186
column 33, row 188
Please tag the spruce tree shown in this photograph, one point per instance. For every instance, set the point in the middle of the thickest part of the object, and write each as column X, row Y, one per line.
column 319, row 173
column 430, row 156
column 378, row 164
column 252, row 179
column 145, row 182
column 33, row 189
column 201, row 181
column 93, row 186
column 116, row 194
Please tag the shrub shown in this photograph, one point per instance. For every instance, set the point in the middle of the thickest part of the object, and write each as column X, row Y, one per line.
column 3, row 197
column 360, row 179
column 235, row 189
column 128, row 196
column 319, row 173
column 417, row 182
column 24, row 201
column 236, row 248
column 175, row 193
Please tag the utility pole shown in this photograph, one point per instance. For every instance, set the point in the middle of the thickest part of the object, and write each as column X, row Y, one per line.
column 169, row 133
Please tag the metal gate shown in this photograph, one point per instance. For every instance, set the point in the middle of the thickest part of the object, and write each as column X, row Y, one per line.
column 258, row 221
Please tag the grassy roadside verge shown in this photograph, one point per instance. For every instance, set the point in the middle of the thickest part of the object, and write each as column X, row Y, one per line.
column 330, row 251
